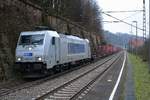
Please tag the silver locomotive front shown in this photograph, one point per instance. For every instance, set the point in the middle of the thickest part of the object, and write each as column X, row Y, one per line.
column 30, row 52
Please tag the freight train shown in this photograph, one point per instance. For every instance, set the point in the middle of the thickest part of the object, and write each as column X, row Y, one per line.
column 40, row 52
column 107, row 49
column 46, row 50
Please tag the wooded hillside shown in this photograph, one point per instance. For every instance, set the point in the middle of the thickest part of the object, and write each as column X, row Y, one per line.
column 23, row 15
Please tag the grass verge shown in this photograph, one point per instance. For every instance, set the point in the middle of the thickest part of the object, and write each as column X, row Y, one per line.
column 141, row 78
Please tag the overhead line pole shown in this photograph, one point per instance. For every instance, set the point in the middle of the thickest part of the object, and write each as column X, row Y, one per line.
column 149, row 37
column 130, row 42
column 136, row 38
column 144, row 21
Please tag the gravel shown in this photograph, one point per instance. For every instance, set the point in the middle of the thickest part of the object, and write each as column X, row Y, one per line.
column 38, row 90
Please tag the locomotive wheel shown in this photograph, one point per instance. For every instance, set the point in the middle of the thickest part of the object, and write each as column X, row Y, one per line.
column 57, row 69
column 45, row 72
column 50, row 71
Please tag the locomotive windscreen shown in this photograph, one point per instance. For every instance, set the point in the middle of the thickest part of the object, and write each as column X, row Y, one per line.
column 31, row 39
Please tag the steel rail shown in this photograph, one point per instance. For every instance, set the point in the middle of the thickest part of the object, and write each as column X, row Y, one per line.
column 5, row 91
column 75, row 79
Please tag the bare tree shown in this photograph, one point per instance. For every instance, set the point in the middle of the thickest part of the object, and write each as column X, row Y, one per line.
column 83, row 12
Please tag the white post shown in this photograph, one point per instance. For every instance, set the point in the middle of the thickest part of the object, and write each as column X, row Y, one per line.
column 149, row 37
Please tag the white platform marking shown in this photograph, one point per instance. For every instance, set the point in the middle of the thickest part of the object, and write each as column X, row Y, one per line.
column 117, row 83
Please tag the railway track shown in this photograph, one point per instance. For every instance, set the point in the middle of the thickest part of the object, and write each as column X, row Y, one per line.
column 72, row 89
column 24, row 84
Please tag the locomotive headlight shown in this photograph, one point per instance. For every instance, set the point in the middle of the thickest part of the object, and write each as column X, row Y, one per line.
column 39, row 59
column 18, row 59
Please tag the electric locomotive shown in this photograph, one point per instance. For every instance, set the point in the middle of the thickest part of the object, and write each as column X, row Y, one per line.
column 39, row 52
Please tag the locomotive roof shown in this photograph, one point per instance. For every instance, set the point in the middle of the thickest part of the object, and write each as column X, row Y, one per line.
column 74, row 37
column 51, row 33
column 87, row 40
column 71, row 37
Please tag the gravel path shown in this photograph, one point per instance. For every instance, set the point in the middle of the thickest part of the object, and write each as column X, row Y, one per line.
column 129, row 85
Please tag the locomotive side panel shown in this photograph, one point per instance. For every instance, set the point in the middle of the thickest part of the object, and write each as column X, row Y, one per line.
column 73, row 49
column 63, row 50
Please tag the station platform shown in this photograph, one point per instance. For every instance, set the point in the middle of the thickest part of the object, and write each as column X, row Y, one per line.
column 102, row 90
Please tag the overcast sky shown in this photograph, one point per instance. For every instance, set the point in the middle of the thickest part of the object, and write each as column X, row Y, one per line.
column 123, row 5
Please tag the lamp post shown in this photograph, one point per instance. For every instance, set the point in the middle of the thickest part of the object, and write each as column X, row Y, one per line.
column 136, row 38
column 130, row 42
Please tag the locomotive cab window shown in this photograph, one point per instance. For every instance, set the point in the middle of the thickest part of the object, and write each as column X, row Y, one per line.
column 53, row 40
column 31, row 39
